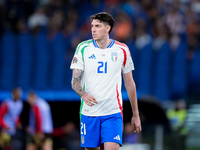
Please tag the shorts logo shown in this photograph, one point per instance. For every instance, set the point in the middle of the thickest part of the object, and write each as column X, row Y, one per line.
column 82, row 140
column 75, row 60
column 114, row 56
column 117, row 137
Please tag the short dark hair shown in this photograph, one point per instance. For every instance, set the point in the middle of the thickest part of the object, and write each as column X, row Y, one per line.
column 16, row 89
column 104, row 17
column 31, row 93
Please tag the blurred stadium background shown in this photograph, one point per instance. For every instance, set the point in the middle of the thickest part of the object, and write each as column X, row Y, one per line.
column 38, row 39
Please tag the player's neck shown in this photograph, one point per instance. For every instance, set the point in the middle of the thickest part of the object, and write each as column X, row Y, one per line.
column 103, row 43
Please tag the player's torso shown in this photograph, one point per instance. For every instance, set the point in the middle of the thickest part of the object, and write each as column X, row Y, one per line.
column 102, row 67
column 14, row 109
column 102, row 78
column 45, row 115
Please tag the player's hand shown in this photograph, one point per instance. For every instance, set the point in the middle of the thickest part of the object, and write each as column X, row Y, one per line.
column 136, row 124
column 89, row 99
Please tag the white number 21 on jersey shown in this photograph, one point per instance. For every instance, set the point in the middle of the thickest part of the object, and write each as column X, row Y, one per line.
column 83, row 129
column 102, row 68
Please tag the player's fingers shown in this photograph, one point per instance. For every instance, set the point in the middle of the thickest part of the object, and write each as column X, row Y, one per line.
column 91, row 98
column 138, row 129
column 87, row 101
column 133, row 127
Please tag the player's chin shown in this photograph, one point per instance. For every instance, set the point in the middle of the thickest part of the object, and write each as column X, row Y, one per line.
column 95, row 38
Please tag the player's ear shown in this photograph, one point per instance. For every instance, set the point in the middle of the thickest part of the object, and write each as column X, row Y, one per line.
column 108, row 28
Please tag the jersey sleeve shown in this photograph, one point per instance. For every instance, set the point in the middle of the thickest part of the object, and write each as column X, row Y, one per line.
column 128, row 62
column 78, row 59
column 38, row 118
column 3, row 111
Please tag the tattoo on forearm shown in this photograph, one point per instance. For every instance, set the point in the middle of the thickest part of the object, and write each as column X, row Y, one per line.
column 76, row 82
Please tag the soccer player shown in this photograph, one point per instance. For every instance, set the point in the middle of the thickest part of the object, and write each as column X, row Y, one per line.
column 40, row 123
column 10, row 111
column 97, row 67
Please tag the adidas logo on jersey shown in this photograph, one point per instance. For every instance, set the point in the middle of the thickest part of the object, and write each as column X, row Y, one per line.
column 117, row 137
column 92, row 57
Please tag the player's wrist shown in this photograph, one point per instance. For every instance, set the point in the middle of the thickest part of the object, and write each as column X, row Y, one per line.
column 83, row 97
column 135, row 114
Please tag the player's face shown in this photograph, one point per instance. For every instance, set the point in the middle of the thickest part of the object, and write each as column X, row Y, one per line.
column 17, row 93
column 31, row 99
column 99, row 29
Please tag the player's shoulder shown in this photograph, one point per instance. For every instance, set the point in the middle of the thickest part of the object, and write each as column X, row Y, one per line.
column 121, row 45
column 6, row 102
column 84, row 44
column 42, row 102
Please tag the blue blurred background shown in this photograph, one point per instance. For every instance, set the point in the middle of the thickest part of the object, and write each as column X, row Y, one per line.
column 38, row 39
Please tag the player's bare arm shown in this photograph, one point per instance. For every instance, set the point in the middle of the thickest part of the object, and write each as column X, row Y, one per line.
column 76, row 86
column 131, row 90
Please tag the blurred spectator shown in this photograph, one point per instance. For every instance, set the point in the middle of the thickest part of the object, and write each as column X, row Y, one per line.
column 123, row 27
column 142, row 37
column 14, row 11
column 190, row 16
column 162, row 6
column 38, row 20
column 177, row 118
column 174, row 20
column 160, row 32
column 21, row 26
column 40, row 123
column 174, row 41
column 132, row 8
column 195, row 5
column 10, row 111
column 177, row 115
column 56, row 23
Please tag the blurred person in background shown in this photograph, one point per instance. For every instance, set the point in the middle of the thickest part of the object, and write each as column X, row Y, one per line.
column 40, row 123
column 177, row 118
column 97, row 66
column 38, row 20
column 142, row 37
column 10, row 111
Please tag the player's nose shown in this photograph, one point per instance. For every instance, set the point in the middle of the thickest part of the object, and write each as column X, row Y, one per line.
column 93, row 30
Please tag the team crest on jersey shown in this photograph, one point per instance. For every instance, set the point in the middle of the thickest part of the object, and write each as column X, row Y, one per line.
column 82, row 140
column 114, row 56
column 75, row 60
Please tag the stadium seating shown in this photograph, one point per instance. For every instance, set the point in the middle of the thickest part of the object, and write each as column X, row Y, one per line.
column 8, row 58
column 144, row 70
column 162, row 79
column 40, row 63
column 179, row 76
column 59, row 50
column 194, row 75
column 25, row 47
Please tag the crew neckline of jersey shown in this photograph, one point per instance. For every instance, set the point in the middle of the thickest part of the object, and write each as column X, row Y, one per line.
column 109, row 46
